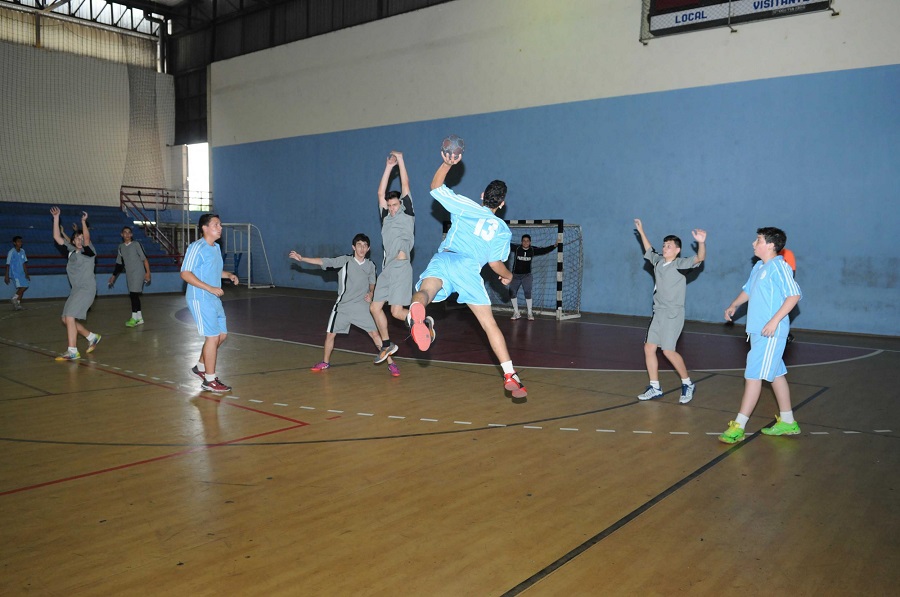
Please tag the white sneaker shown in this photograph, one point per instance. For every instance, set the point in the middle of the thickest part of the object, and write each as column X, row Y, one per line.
column 516, row 316
column 687, row 393
column 650, row 394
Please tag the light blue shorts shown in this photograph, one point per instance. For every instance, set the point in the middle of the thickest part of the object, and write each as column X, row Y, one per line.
column 209, row 315
column 764, row 359
column 20, row 282
column 459, row 274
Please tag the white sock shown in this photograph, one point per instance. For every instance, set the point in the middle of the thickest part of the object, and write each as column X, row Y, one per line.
column 528, row 304
column 655, row 384
column 686, row 381
column 73, row 350
column 507, row 367
column 741, row 420
column 209, row 376
column 201, row 367
column 515, row 307
column 138, row 315
column 787, row 417
column 91, row 337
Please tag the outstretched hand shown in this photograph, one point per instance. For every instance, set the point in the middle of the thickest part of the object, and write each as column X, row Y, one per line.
column 451, row 159
column 295, row 256
column 638, row 225
column 699, row 235
column 54, row 211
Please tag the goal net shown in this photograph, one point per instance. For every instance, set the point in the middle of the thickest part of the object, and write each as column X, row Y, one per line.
column 556, row 287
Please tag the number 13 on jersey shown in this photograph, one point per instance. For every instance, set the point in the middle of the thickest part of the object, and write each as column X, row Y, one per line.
column 486, row 232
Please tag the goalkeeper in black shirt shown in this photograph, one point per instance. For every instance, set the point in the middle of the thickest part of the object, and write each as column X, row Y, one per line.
column 521, row 271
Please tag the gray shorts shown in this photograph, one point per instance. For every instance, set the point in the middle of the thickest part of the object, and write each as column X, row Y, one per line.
column 79, row 301
column 394, row 285
column 665, row 328
column 343, row 316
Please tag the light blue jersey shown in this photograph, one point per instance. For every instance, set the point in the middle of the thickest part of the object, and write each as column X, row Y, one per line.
column 204, row 261
column 476, row 232
column 768, row 287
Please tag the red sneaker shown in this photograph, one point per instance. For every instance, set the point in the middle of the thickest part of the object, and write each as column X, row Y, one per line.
column 511, row 382
column 421, row 334
column 215, row 386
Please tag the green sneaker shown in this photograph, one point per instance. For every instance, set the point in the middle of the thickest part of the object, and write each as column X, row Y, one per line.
column 782, row 428
column 733, row 434
column 131, row 323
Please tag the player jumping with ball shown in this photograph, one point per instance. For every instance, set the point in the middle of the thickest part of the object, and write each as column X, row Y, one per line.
column 477, row 236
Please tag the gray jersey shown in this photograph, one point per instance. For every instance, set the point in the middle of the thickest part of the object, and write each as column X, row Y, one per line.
column 80, row 270
column 354, row 279
column 398, row 231
column 132, row 257
column 670, row 289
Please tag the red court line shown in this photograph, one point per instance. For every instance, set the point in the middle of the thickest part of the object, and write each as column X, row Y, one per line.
column 297, row 425
column 149, row 460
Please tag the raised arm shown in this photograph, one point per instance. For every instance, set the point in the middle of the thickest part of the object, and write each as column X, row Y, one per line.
column 404, row 177
column 700, row 237
column 385, row 177
column 449, row 160
column 86, row 233
column 311, row 260
column 639, row 226
column 57, row 235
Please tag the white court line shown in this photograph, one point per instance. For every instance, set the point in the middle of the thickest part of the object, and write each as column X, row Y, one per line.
column 331, row 410
column 463, row 422
column 818, row 433
column 531, row 427
column 679, row 433
column 567, row 429
column 365, row 414
column 256, row 401
column 645, row 432
column 279, row 404
column 429, row 420
column 308, row 407
column 606, row 430
column 395, row 417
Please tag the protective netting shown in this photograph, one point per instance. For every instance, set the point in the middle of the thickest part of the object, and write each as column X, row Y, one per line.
column 86, row 112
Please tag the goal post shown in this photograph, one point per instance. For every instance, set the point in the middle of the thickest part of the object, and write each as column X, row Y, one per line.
column 557, row 275
column 245, row 254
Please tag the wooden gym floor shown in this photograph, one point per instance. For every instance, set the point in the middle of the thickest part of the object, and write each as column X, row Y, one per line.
column 120, row 477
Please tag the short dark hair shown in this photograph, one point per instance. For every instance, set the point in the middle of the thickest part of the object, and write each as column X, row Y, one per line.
column 15, row 238
column 361, row 237
column 392, row 195
column 494, row 194
column 524, row 236
column 773, row 235
column 674, row 239
column 204, row 221
column 124, row 228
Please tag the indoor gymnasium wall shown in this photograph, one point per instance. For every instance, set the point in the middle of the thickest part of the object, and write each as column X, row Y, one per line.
column 790, row 122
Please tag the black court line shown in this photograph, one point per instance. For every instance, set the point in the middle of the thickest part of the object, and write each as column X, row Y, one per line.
column 565, row 559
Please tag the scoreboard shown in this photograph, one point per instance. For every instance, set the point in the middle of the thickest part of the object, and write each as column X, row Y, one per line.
column 677, row 16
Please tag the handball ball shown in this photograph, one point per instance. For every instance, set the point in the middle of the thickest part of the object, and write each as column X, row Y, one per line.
column 453, row 146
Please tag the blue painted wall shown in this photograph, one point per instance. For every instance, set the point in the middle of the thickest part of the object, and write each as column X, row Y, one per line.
column 816, row 155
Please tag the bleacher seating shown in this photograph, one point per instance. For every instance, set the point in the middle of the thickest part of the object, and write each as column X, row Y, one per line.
column 33, row 222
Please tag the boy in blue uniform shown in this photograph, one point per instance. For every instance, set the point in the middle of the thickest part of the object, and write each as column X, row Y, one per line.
column 476, row 236
column 18, row 271
column 772, row 293
column 202, row 270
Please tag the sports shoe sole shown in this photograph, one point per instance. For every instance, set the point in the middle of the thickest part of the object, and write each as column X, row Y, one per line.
column 518, row 391
column 386, row 352
column 421, row 335
column 740, row 439
column 94, row 344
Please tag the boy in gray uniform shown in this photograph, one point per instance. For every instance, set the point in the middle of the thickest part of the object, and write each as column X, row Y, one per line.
column 398, row 235
column 80, row 269
column 132, row 259
column 668, row 308
column 356, row 284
